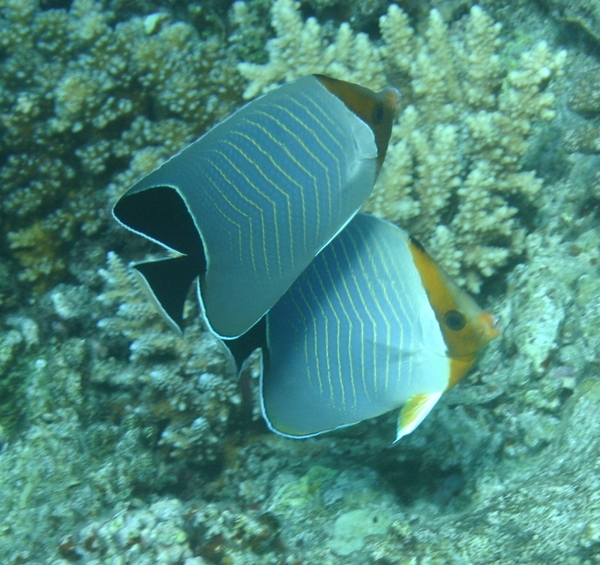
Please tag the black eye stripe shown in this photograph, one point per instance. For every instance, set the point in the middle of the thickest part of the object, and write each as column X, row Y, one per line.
column 455, row 320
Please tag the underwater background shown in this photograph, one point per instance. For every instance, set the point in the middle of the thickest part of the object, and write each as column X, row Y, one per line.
column 122, row 443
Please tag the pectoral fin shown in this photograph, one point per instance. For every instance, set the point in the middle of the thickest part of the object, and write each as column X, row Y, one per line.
column 414, row 412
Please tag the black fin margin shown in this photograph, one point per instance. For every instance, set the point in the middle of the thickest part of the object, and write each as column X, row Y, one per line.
column 161, row 214
column 168, row 281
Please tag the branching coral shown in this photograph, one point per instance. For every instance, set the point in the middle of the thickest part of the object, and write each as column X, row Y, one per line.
column 81, row 91
column 453, row 167
column 91, row 417
column 186, row 383
column 300, row 49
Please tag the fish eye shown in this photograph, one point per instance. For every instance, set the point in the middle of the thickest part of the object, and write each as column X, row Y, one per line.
column 454, row 320
column 377, row 114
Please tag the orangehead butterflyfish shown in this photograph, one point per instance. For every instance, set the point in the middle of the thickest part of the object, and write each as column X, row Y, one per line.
column 249, row 204
column 373, row 324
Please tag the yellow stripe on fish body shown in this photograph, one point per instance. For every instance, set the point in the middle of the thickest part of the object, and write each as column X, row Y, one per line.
column 373, row 324
column 250, row 203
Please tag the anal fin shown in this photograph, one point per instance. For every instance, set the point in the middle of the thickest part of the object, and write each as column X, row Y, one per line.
column 168, row 282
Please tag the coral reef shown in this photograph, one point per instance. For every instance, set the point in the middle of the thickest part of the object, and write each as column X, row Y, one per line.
column 91, row 98
column 432, row 515
column 579, row 13
column 169, row 533
column 454, row 165
column 150, row 535
column 583, row 135
column 128, row 409
column 121, row 442
column 300, row 49
column 186, row 386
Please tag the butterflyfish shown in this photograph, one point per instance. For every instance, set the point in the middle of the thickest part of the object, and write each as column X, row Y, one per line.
column 373, row 324
column 247, row 206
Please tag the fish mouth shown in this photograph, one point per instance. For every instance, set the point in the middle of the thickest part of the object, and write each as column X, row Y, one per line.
column 490, row 326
